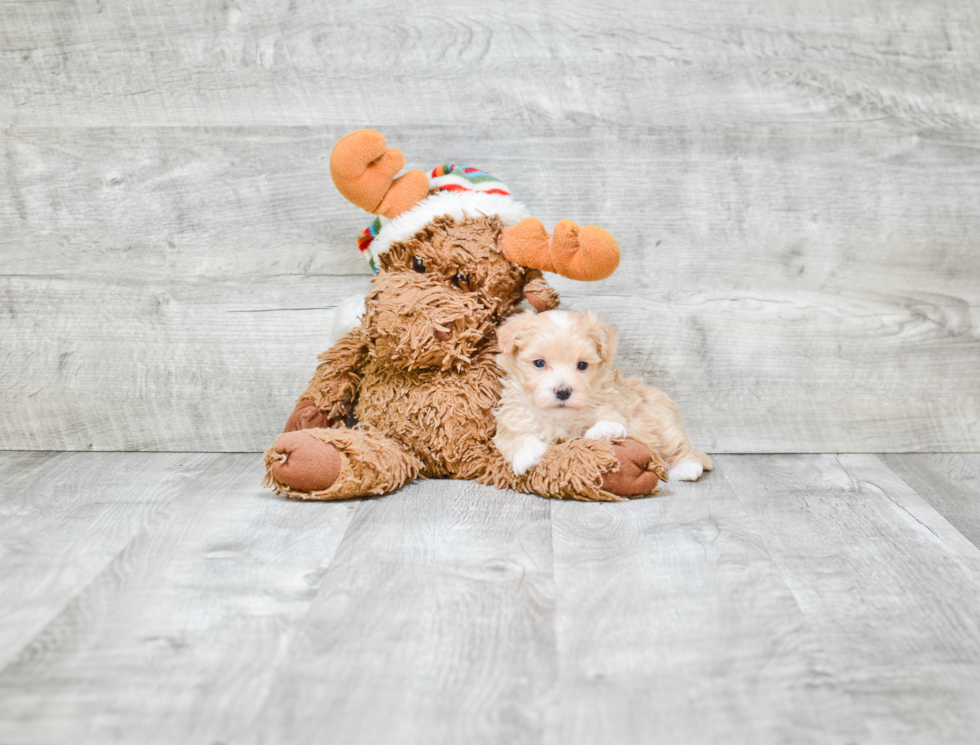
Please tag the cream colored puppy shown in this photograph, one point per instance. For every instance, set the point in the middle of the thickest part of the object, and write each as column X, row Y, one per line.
column 559, row 383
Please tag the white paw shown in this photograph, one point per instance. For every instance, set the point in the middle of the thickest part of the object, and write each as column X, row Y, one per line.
column 529, row 455
column 606, row 430
column 686, row 470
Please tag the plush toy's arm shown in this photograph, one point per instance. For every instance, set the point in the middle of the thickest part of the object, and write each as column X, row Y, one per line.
column 330, row 395
column 540, row 294
column 590, row 470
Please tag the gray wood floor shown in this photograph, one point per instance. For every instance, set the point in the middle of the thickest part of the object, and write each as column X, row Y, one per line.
column 167, row 598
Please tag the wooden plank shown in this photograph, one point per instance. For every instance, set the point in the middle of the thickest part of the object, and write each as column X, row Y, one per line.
column 950, row 482
column 890, row 588
column 780, row 599
column 65, row 517
column 205, row 365
column 789, row 371
column 178, row 637
column 21, row 468
column 801, row 207
column 174, row 202
column 434, row 624
column 217, row 364
column 674, row 625
column 193, row 62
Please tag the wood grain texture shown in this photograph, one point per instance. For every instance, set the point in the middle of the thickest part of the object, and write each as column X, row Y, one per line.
column 217, row 364
column 950, row 482
column 178, row 635
column 65, row 517
column 793, row 187
column 187, row 202
column 193, row 365
column 890, row 588
column 800, row 206
column 434, row 624
column 796, row 371
column 673, row 625
column 582, row 63
column 167, row 598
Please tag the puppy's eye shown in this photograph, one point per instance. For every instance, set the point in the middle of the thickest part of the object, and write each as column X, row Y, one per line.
column 539, row 363
column 462, row 281
column 418, row 264
column 583, row 365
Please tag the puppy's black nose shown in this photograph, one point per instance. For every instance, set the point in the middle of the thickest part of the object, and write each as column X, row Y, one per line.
column 563, row 392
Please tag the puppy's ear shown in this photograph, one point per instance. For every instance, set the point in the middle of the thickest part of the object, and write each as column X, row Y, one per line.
column 509, row 332
column 605, row 339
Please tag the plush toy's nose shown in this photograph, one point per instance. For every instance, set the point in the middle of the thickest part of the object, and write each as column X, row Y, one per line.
column 444, row 335
column 563, row 392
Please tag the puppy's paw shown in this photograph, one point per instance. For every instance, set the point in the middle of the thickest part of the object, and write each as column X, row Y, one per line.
column 686, row 470
column 606, row 430
column 529, row 455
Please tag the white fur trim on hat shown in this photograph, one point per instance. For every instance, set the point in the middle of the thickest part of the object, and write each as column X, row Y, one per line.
column 457, row 204
column 347, row 315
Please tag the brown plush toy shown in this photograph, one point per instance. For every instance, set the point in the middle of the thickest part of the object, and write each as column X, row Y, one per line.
column 454, row 254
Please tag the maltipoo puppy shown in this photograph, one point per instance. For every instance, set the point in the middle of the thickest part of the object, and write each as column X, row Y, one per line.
column 559, row 383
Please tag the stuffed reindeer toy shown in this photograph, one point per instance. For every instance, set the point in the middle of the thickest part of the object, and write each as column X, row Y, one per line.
column 454, row 255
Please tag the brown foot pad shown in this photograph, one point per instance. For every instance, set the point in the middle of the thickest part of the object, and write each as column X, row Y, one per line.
column 307, row 463
column 633, row 478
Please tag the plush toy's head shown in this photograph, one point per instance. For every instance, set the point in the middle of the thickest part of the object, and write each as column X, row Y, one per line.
column 438, row 295
column 452, row 253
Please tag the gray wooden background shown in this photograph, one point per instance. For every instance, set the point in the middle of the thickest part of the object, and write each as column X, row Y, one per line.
column 795, row 185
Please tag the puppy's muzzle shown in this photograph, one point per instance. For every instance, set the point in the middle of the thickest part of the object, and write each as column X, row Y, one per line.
column 563, row 392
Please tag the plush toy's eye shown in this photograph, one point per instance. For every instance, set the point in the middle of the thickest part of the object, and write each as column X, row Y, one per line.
column 583, row 365
column 539, row 363
column 418, row 264
column 462, row 281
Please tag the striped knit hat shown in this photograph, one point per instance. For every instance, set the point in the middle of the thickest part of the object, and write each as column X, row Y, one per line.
column 456, row 190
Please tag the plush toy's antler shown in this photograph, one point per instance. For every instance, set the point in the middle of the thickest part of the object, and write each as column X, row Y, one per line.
column 587, row 253
column 364, row 172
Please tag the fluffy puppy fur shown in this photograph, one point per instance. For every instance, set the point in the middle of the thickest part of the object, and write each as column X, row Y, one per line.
column 559, row 383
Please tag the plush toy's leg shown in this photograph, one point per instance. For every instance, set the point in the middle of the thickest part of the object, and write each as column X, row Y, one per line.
column 337, row 463
column 588, row 470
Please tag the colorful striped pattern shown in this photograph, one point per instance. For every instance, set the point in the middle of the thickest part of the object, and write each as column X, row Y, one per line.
column 447, row 177
column 367, row 236
column 457, row 177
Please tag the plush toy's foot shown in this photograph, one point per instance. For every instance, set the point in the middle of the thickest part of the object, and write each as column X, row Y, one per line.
column 639, row 471
column 303, row 462
column 337, row 464
column 306, row 416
